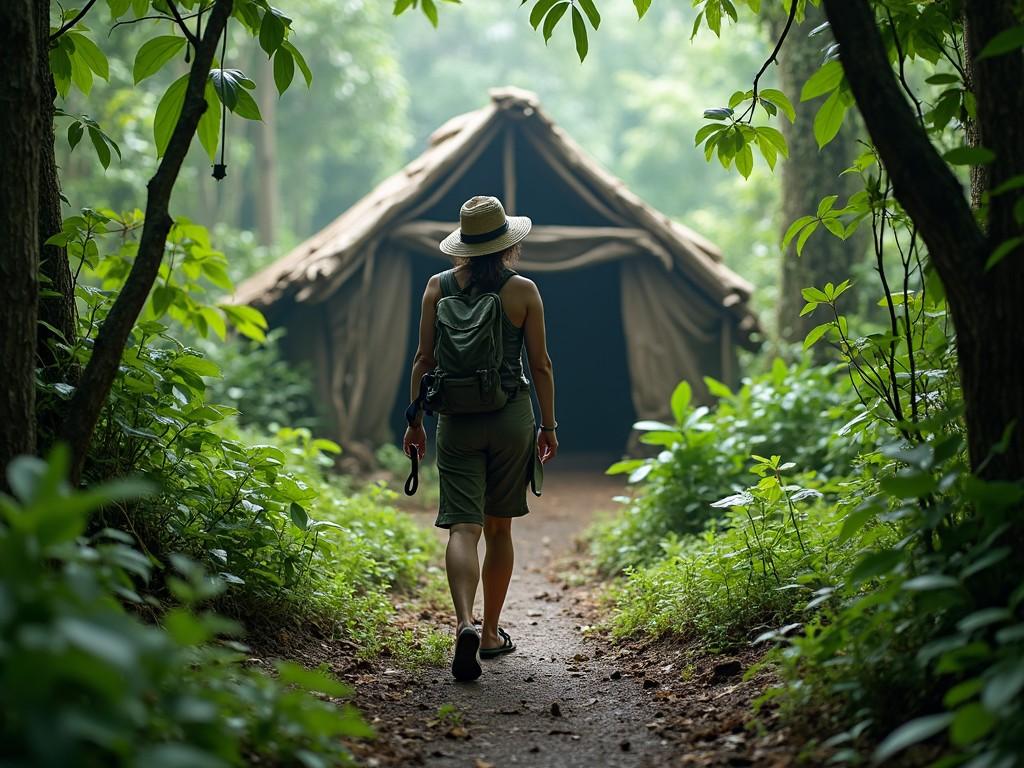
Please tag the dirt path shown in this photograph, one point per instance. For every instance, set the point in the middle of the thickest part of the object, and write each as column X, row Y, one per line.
column 563, row 699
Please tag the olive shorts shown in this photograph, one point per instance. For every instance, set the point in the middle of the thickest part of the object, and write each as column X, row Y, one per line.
column 485, row 461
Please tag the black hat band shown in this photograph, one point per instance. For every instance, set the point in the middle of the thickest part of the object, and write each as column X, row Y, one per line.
column 483, row 238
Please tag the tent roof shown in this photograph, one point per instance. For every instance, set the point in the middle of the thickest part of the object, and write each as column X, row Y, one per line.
column 319, row 266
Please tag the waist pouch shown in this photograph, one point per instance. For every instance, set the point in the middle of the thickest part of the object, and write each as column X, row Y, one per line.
column 478, row 393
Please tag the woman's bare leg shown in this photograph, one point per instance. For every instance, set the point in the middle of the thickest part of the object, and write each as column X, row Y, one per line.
column 497, row 574
column 463, row 567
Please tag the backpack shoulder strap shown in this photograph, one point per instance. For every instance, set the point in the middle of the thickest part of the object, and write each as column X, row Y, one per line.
column 449, row 285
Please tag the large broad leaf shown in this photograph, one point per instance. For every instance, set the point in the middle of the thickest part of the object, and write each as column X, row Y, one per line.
column 829, row 118
column 579, row 32
column 167, row 113
column 91, row 54
column 825, row 80
column 209, row 123
column 154, row 54
column 912, row 733
column 284, row 69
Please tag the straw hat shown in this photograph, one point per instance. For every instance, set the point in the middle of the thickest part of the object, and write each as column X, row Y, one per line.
column 484, row 228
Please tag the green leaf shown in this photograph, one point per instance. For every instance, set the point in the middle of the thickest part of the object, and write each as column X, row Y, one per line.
column 154, row 54
column 854, row 521
column 579, row 32
column 912, row 733
column 875, row 564
column 930, row 582
column 209, row 123
column 779, row 99
column 300, row 61
column 912, row 485
column 430, row 11
column 299, row 517
column 284, row 69
column 197, row 365
column 793, row 230
column 591, row 10
column 167, row 113
column 246, row 106
column 775, row 137
column 540, row 10
column 826, row 204
column 310, row 680
column 622, row 467
column 680, row 402
column 829, row 119
column 969, row 156
column 553, row 18
column 815, row 335
column 801, row 241
column 825, row 80
column 1003, row 250
column 970, row 724
column 60, row 67
column 75, row 132
column 642, row 6
column 272, row 32
column 81, row 74
column 1005, row 42
column 745, row 161
column 1004, row 686
column 91, row 54
column 102, row 150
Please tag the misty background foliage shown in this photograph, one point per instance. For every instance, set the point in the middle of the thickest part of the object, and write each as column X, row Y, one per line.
column 380, row 87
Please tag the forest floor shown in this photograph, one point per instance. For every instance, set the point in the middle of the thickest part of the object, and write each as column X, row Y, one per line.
column 567, row 696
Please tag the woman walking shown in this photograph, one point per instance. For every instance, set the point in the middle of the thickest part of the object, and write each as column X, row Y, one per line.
column 486, row 458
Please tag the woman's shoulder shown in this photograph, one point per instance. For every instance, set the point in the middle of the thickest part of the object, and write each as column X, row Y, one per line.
column 521, row 284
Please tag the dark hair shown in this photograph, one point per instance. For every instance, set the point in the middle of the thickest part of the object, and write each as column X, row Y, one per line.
column 485, row 271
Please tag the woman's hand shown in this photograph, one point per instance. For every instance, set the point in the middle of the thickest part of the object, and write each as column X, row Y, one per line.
column 547, row 445
column 415, row 439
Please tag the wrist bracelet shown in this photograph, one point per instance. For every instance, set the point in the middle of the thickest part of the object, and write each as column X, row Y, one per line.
column 549, row 429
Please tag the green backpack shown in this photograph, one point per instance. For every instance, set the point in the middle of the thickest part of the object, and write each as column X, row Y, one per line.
column 468, row 350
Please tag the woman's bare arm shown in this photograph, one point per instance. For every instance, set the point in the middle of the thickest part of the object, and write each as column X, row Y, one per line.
column 423, row 361
column 541, row 369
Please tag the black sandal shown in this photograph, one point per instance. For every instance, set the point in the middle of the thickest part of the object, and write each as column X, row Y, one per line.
column 507, row 646
column 466, row 662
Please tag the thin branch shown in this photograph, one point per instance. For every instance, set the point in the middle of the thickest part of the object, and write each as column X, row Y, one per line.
column 74, row 21
column 901, row 57
column 774, row 57
column 181, row 23
column 158, row 17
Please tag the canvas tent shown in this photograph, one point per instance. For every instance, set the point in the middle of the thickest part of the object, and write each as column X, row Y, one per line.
column 635, row 302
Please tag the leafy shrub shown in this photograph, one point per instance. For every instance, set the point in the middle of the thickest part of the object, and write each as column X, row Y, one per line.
column 749, row 572
column 795, row 411
column 260, row 511
column 266, row 390
column 84, row 683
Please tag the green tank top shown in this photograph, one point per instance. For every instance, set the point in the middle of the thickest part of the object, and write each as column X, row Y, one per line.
column 512, row 337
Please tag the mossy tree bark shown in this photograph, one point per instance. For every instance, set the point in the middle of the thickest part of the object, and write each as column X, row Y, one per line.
column 985, row 304
column 19, row 228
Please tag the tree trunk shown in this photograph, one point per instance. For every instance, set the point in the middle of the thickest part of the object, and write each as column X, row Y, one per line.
column 94, row 385
column 808, row 175
column 986, row 306
column 19, row 233
column 57, row 311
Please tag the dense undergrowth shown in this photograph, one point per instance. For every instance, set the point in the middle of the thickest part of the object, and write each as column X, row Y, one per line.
column 879, row 568
column 128, row 606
